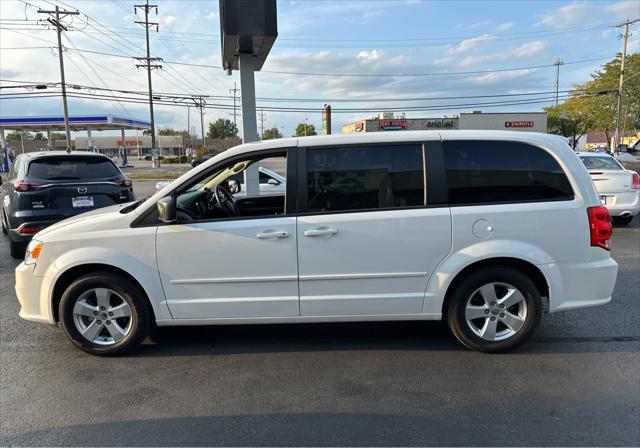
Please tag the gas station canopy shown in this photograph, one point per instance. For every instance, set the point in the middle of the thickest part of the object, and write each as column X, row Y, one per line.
column 76, row 123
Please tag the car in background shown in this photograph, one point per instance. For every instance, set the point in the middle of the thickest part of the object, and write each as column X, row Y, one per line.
column 198, row 160
column 150, row 157
column 618, row 188
column 46, row 187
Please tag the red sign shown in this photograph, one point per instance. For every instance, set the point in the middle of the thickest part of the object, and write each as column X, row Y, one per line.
column 518, row 124
column 392, row 125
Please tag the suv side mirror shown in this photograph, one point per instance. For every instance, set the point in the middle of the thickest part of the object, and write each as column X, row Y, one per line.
column 167, row 209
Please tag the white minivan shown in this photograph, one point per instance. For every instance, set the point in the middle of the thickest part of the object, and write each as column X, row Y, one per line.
column 485, row 229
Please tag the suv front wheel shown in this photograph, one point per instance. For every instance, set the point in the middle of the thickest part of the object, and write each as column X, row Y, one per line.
column 494, row 309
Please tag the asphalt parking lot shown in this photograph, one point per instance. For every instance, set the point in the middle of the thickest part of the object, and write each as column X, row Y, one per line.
column 576, row 383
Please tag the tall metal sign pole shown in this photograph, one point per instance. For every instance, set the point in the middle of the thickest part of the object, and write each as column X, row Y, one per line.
column 54, row 19
column 625, row 36
column 148, row 63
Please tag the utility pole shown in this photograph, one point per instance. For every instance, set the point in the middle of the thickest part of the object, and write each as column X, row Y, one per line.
column 189, row 127
column 234, row 91
column 624, row 36
column 148, row 62
column 54, row 19
column 558, row 62
column 200, row 103
column 261, row 123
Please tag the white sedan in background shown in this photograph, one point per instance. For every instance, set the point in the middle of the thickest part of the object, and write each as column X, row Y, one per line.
column 619, row 188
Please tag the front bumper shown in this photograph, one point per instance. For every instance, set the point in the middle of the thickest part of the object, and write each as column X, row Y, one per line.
column 34, row 304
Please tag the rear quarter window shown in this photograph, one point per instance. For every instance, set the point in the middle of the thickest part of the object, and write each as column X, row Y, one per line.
column 489, row 172
column 72, row 168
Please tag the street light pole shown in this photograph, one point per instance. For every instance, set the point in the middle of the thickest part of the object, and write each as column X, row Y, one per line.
column 625, row 36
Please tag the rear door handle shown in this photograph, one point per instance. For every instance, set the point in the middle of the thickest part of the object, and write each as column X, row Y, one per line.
column 320, row 232
column 272, row 235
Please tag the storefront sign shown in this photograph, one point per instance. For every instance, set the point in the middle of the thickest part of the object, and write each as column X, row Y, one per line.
column 392, row 125
column 518, row 124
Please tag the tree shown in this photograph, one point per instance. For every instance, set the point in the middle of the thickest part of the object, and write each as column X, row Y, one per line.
column 18, row 135
column 39, row 137
column 222, row 128
column 304, row 129
column 58, row 136
column 592, row 106
column 271, row 133
column 571, row 119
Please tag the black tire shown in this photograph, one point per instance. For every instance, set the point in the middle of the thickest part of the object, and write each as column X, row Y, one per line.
column 17, row 249
column 141, row 315
column 623, row 220
column 469, row 284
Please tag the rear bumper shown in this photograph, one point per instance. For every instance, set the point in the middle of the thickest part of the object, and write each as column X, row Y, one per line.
column 582, row 285
column 626, row 204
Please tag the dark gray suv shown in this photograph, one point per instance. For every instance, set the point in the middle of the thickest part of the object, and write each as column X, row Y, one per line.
column 46, row 187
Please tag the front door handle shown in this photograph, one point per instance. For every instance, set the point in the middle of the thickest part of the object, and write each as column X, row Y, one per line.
column 320, row 232
column 272, row 235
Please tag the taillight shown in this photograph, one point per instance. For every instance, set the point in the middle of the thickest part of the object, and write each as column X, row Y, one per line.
column 29, row 230
column 635, row 181
column 22, row 186
column 600, row 226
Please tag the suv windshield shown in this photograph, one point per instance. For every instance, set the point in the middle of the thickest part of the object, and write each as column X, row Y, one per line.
column 72, row 168
column 600, row 163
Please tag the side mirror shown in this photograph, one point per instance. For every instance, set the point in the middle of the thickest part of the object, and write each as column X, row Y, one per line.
column 234, row 186
column 167, row 209
column 272, row 181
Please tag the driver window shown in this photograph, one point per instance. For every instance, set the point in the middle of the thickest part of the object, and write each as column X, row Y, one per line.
column 245, row 188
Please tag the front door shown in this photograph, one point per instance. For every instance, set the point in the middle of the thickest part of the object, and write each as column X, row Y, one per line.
column 213, row 265
column 366, row 242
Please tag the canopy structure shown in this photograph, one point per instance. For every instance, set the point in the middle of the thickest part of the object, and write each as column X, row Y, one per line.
column 50, row 124
column 76, row 123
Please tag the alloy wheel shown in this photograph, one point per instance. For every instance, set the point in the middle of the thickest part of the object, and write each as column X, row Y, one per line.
column 102, row 316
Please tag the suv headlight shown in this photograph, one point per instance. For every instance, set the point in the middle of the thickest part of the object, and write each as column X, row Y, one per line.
column 33, row 252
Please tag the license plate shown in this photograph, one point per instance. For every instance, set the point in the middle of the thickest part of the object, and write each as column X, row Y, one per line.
column 82, row 201
column 603, row 200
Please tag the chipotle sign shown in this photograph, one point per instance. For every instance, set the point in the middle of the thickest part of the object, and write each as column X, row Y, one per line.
column 518, row 124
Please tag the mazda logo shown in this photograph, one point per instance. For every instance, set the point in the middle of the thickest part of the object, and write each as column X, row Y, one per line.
column 82, row 190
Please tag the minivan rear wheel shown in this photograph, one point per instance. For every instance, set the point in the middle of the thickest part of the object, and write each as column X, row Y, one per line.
column 494, row 309
column 105, row 314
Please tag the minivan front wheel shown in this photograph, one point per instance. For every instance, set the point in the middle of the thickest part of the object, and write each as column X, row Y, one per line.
column 494, row 309
column 105, row 314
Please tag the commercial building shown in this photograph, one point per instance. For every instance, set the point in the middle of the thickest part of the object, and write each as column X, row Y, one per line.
column 509, row 121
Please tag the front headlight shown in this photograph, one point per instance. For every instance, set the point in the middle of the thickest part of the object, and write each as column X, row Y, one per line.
column 33, row 252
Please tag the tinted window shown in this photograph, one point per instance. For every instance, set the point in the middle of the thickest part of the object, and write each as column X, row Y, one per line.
column 364, row 178
column 600, row 163
column 72, row 168
column 490, row 172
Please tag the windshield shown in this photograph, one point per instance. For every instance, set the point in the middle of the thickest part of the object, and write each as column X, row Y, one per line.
column 72, row 168
column 600, row 163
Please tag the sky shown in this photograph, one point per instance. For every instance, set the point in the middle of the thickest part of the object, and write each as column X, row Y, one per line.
column 459, row 49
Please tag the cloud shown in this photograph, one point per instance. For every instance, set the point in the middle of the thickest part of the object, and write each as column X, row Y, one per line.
column 467, row 44
column 505, row 26
column 499, row 77
column 625, row 8
column 168, row 20
column 525, row 50
column 370, row 55
column 575, row 13
column 212, row 15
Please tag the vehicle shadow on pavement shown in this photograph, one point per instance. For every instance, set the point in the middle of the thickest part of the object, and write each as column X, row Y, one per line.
column 275, row 338
column 361, row 336
column 427, row 427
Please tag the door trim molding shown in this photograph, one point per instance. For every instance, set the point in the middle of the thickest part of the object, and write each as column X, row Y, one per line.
column 202, row 281
column 362, row 276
